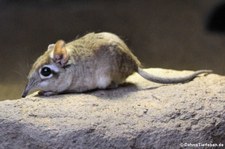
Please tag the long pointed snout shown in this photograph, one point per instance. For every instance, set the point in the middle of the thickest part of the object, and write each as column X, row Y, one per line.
column 31, row 86
column 26, row 91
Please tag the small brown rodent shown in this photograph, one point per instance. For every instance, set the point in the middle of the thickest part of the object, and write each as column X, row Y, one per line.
column 94, row 61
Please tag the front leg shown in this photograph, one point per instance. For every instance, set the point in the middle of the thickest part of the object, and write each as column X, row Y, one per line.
column 46, row 93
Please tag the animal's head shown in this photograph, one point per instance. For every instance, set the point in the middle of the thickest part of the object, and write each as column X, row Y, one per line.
column 47, row 73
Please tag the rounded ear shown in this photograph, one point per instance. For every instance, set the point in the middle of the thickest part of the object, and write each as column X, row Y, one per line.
column 60, row 54
column 51, row 46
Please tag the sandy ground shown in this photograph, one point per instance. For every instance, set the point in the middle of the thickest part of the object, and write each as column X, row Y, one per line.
column 140, row 115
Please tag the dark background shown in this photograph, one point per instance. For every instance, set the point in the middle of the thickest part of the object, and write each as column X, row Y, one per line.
column 174, row 34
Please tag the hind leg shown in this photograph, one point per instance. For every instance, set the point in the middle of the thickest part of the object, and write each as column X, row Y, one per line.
column 116, row 82
column 113, row 85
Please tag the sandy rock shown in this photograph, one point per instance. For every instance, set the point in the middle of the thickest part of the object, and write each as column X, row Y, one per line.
column 140, row 114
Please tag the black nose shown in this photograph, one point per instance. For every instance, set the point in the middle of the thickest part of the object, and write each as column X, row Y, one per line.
column 24, row 94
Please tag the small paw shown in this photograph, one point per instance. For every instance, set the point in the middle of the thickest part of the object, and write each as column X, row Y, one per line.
column 46, row 93
column 113, row 85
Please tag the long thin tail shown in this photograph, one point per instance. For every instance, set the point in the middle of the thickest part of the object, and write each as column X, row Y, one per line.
column 162, row 80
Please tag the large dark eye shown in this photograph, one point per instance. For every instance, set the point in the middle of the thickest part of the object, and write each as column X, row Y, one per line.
column 46, row 71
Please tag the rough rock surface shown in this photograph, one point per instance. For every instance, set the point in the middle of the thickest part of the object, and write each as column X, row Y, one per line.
column 140, row 114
